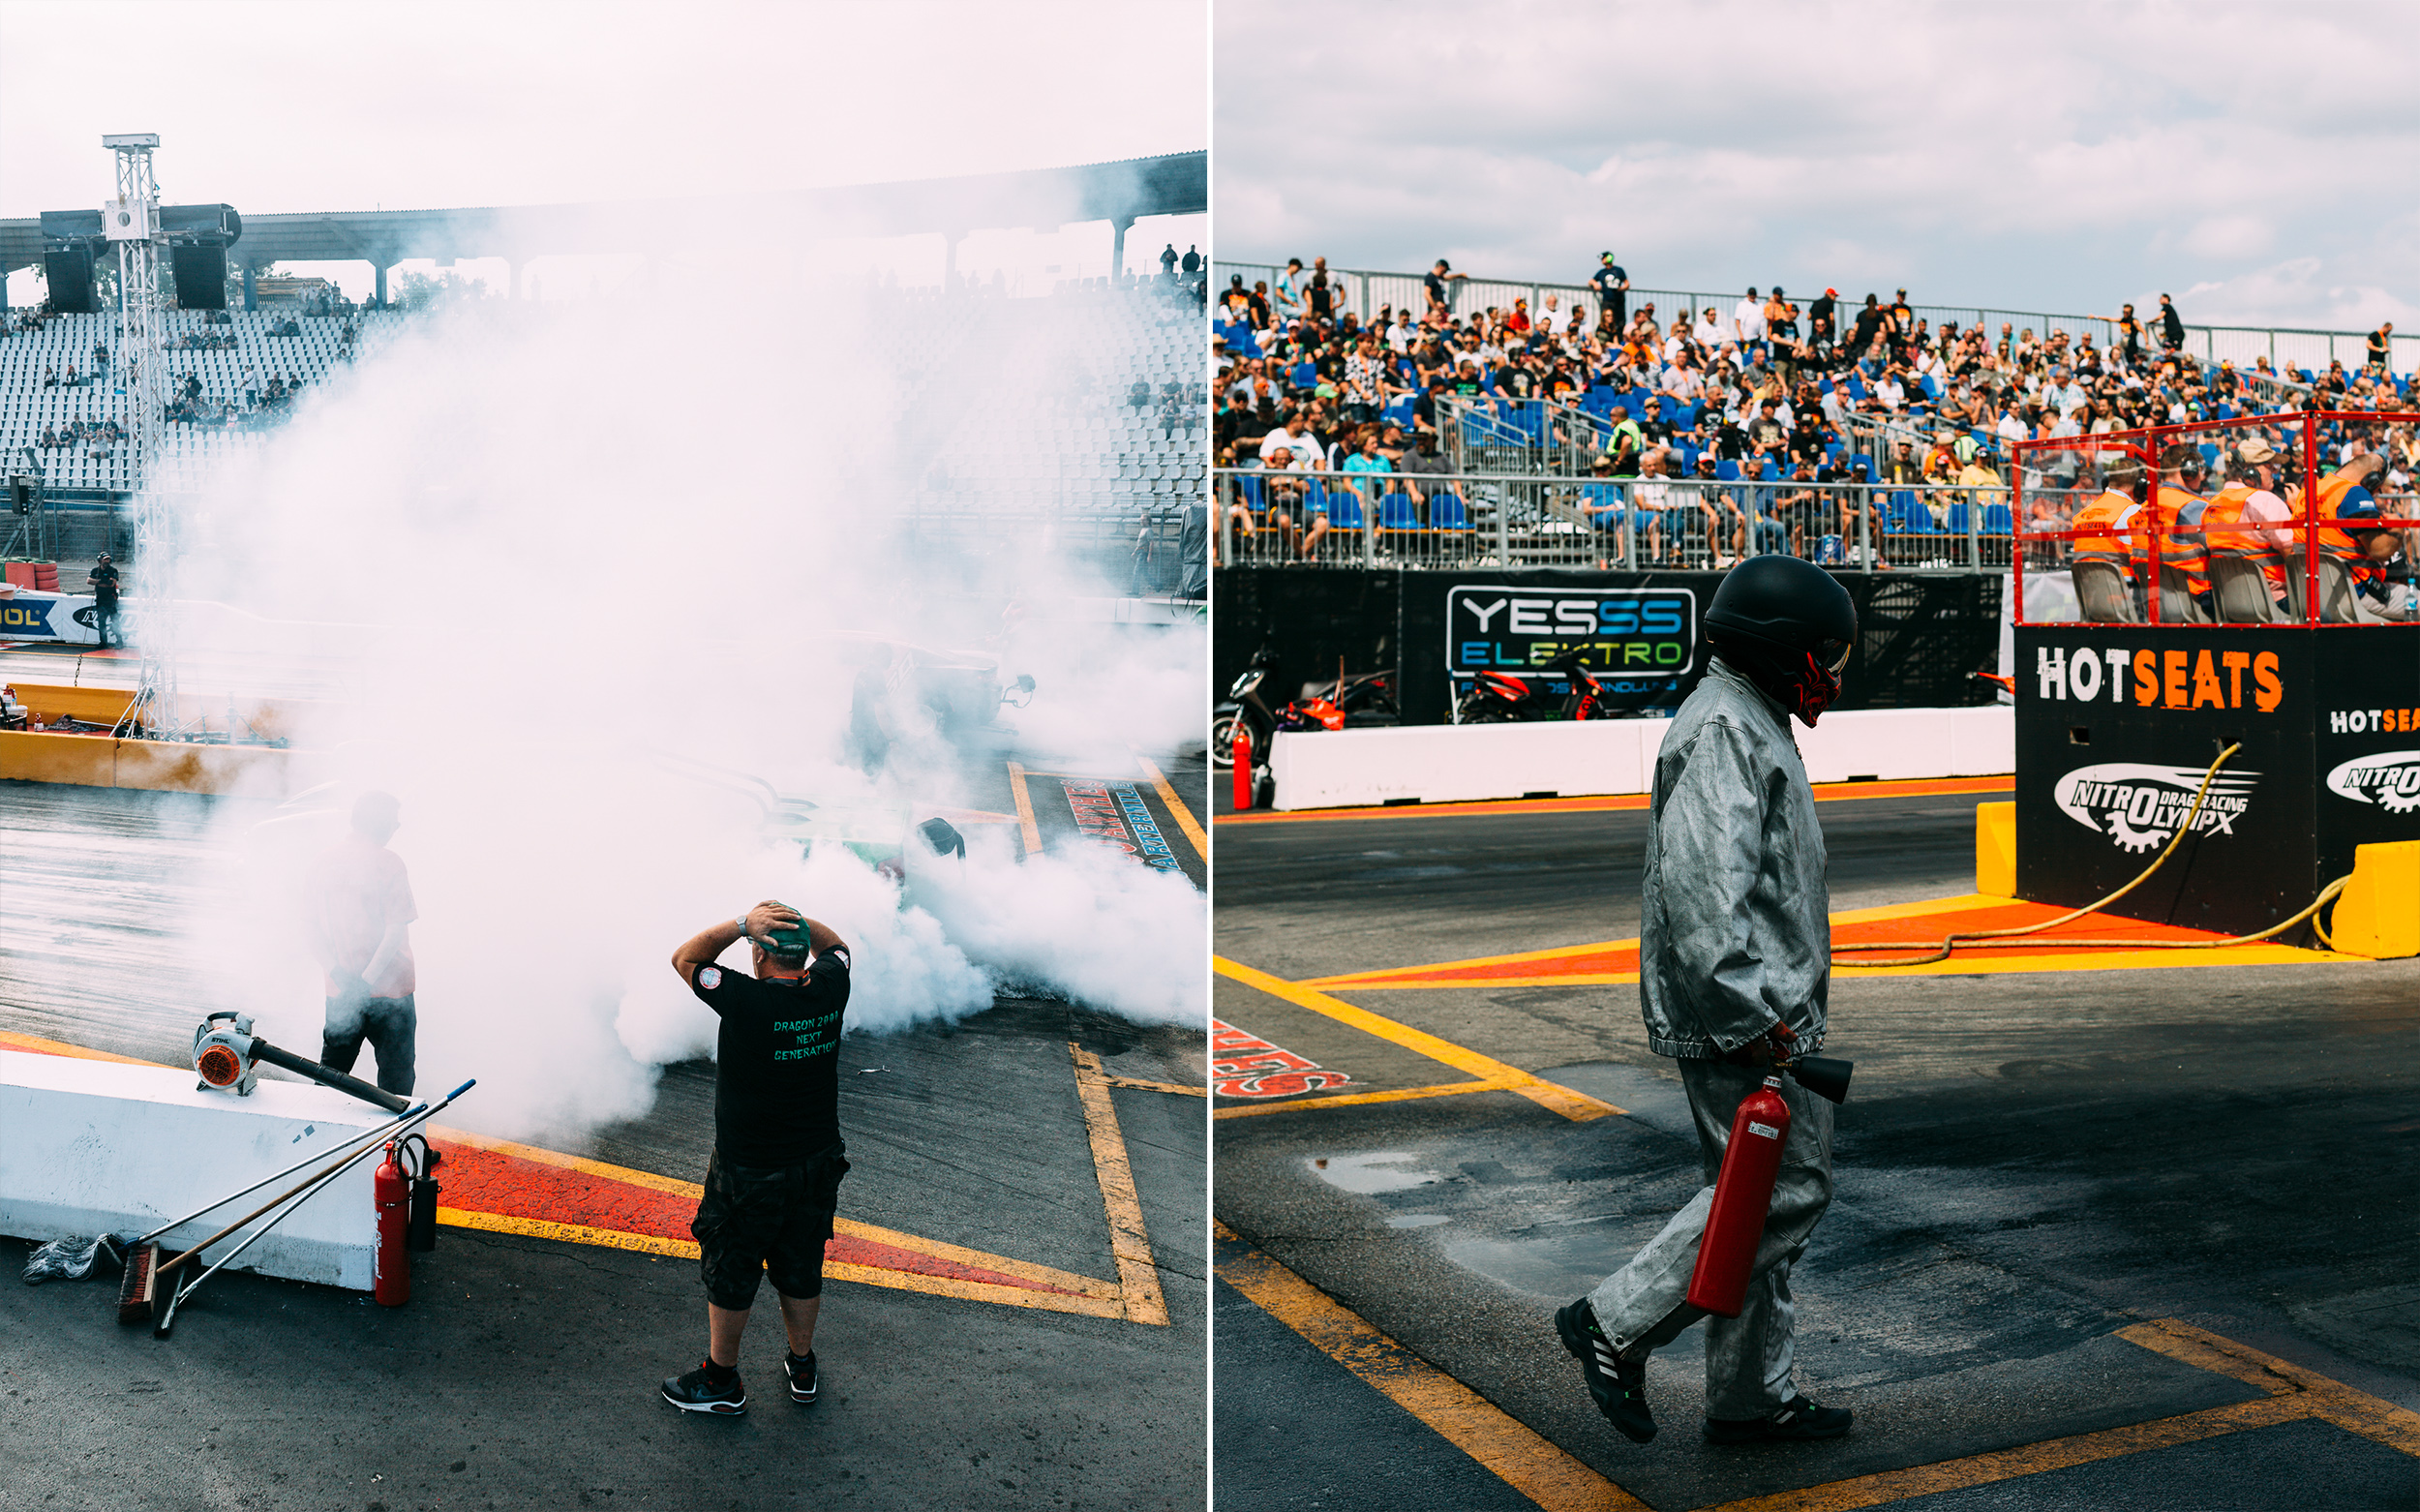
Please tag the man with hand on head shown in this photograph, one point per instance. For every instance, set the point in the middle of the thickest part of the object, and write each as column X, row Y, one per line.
column 773, row 1180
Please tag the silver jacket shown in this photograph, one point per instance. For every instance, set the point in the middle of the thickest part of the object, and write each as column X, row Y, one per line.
column 1736, row 926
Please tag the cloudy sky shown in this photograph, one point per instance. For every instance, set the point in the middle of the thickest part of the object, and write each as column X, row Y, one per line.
column 2256, row 161
column 332, row 104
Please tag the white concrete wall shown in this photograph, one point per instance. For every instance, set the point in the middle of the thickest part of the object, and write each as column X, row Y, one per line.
column 1445, row 764
column 90, row 1147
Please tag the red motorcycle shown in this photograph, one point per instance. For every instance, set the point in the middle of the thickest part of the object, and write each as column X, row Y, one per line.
column 1500, row 698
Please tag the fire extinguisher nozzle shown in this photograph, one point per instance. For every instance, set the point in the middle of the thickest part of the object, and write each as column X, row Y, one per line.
column 1828, row 1078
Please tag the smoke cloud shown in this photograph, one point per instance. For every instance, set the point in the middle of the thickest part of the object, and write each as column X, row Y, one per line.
column 557, row 572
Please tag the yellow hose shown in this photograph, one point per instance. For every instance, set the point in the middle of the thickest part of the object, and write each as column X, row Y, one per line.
column 1985, row 939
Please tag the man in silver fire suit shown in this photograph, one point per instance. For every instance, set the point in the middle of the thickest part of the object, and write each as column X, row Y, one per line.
column 1734, row 959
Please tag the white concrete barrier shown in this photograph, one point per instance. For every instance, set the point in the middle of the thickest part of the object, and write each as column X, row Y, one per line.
column 90, row 1147
column 1445, row 764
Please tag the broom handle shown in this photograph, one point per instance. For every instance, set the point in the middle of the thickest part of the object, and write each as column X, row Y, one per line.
column 179, row 1294
column 375, row 1133
column 390, row 1130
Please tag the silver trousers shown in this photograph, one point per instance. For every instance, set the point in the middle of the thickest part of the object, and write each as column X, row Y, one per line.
column 1645, row 1305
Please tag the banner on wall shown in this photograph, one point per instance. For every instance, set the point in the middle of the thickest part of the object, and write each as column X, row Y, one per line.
column 31, row 615
column 1641, row 642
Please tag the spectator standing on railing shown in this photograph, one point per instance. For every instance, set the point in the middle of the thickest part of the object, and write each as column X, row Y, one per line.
column 2171, row 325
column 2381, row 350
column 1613, row 292
column 1440, row 298
column 1747, row 318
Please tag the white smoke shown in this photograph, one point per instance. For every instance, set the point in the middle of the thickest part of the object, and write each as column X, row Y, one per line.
column 601, row 546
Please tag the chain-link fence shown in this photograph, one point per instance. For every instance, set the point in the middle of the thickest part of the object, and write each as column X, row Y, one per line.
column 1467, row 520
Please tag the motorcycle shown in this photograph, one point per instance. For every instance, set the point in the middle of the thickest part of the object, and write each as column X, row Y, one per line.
column 1360, row 700
column 1499, row 698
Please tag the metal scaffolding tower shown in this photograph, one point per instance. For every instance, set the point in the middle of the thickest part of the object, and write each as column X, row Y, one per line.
column 132, row 220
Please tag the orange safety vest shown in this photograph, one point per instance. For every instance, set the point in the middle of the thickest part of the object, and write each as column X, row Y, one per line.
column 2228, row 508
column 2173, row 534
column 2334, row 542
column 2110, row 513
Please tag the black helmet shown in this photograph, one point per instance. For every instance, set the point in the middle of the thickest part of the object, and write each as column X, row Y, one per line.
column 1788, row 626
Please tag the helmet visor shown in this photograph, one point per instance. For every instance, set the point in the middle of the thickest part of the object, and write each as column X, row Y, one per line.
column 1832, row 656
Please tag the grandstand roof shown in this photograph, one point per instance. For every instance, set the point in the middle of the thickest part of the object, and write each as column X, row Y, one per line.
column 1174, row 184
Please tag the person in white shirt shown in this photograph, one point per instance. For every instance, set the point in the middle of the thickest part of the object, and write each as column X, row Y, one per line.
column 1887, row 393
column 2011, row 427
column 1681, row 381
column 1747, row 318
column 1710, row 333
column 1290, row 437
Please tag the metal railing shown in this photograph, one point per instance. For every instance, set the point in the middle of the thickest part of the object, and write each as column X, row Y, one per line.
column 1364, row 292
column 1527, row 519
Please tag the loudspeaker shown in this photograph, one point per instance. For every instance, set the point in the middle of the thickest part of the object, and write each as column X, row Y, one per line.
column 200, row 276
column 70, row 277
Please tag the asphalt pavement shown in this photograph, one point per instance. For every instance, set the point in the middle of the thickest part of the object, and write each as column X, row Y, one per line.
column 2044, row 1180
column 524, row 1372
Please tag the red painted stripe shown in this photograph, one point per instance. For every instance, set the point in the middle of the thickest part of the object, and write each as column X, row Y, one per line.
column 490, row 1181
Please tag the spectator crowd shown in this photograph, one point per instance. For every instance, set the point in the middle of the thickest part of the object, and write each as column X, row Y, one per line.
column 1765, row 390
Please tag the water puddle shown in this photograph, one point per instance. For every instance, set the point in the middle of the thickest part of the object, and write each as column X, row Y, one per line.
column 1387, row 1171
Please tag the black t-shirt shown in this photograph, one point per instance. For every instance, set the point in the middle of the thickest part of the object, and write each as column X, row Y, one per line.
column 1609, row 279
column 777, row 1061
column 105, row 585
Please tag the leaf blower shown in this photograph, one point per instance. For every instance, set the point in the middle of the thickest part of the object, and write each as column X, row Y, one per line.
column 1744, row 1189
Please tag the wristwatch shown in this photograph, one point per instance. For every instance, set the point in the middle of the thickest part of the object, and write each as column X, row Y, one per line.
column 743, row 922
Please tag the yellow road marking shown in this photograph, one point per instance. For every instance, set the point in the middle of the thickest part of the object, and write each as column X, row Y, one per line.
column 1140, row 1086
column 1024, row 811
column 2056, row 1454
column 1353, row 1099
column 2354, row 1410
column 1139, row 1278
column 1177, row 811
column 1092, row 1299
column 1470, row 1422
column 1577, row 1107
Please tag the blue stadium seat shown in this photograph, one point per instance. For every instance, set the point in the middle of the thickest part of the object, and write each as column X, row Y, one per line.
column 1399, row 409
column 1343, row 506
column 1256, row 492
column 1997, row 522
column 1447, row 513
column 1395, row 513
column 1771, row 470
column 1907, row 516
column 1956, row 523
column 1727, row 469
column 1304, row 375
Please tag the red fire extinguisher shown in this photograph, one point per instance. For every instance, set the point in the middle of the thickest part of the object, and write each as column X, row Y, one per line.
column 391, row 1269
column 1242, row 749
column 1743, row 1193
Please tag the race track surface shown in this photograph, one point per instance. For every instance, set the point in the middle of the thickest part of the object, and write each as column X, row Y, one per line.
column 2112, row 1238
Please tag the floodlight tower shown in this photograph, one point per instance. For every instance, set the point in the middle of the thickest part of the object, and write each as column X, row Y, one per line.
column 131, row 222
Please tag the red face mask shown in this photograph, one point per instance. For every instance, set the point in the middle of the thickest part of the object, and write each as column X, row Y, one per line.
column 1815, row 688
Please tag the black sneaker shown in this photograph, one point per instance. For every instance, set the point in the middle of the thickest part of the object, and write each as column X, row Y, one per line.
column 802, row 1378
column 1799, row 1418
column 694, row 1393
column 1618, row 1385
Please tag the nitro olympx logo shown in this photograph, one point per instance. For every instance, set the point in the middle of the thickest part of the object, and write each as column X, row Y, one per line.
column 2140, row 807
column 2390, row 779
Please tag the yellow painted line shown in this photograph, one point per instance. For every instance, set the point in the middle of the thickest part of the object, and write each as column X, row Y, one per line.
column 1577, row 1107
column 2348, row 1407
column 1183, row 816
column 1140, row 1086
column 1139, row 1278
column 2056, row 1454
column 1102, row 1301
column 1470, row 1422
column 34, row 1044
column 1355, row 1099
column 1024, row 811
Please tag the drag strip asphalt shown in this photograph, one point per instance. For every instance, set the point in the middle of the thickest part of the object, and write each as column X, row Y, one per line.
column 524, row 1373
column 2031, row 1167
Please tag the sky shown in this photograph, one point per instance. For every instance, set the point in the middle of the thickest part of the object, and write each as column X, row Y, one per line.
column 331, row 105
column 2254, row 161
